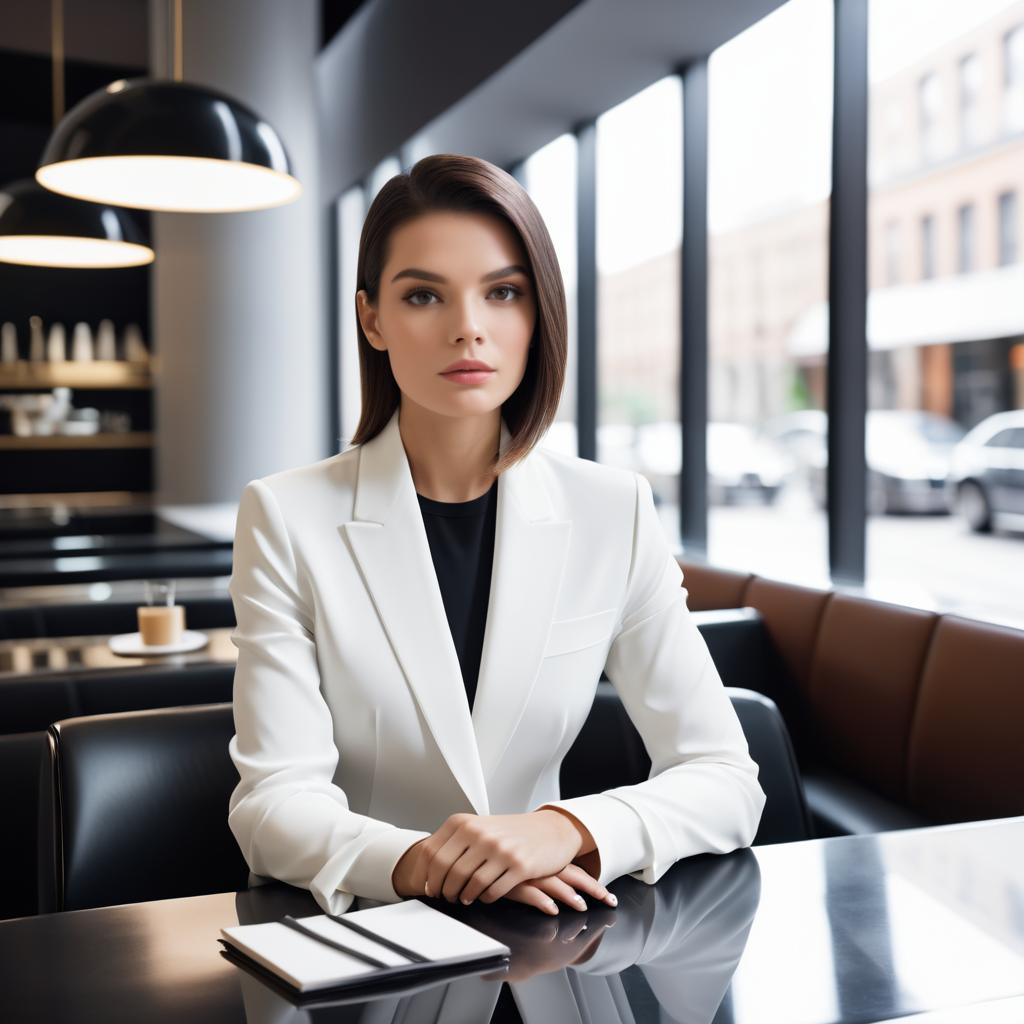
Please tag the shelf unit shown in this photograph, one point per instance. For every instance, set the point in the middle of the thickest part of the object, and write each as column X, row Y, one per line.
column 106, row 461
column 99, row 373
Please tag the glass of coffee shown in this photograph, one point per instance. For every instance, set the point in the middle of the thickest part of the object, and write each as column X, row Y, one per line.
column 161, row 621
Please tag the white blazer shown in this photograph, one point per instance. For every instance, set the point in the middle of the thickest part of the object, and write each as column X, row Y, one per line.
column 344, row 649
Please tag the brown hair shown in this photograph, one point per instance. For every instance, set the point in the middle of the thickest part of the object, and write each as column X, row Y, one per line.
column 450, row 181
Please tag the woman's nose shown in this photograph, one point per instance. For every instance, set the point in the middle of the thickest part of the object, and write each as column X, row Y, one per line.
column 467, row 315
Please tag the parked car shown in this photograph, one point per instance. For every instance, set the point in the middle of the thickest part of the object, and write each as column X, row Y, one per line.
column 907, row 451
column 741, row 465
column 986, row 477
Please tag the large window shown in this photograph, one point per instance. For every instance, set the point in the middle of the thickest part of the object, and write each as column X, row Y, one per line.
column 550, row 177
column 770, row 110
column 945, row 346
column 350, row 212
column 639, row 217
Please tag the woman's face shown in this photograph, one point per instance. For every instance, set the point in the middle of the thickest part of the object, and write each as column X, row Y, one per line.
column 455, row 286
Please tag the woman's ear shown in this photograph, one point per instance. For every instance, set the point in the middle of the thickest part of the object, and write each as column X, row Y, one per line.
column 368, row 320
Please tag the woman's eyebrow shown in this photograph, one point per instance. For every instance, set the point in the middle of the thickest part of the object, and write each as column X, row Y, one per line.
column 427, row 275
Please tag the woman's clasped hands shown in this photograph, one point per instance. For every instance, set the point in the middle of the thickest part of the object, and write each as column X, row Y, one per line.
column 524, row 857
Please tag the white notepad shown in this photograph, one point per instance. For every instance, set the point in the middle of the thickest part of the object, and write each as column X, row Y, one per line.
column 430, row 941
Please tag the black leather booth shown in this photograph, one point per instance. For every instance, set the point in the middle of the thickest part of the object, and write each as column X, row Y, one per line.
column 736, row 639
column 134, row 805
column 28, row 706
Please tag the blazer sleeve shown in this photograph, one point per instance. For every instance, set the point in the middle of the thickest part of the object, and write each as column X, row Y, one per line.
column 703, row 795
column 291, row 821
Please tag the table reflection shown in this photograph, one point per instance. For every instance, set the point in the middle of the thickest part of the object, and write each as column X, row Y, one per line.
column 675, row 946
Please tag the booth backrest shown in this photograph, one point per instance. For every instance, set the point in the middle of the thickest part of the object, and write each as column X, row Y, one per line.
column 922, row 708
column 134, row 805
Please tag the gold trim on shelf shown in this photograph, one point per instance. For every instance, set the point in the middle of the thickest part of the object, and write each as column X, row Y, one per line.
column 131, row 439
column 97, row 373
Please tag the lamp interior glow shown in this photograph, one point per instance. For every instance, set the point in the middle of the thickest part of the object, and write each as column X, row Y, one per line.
column 181, row 184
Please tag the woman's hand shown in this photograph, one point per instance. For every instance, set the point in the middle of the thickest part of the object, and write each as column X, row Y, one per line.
column 411, row 874
column 484, row 856
column 565, row 886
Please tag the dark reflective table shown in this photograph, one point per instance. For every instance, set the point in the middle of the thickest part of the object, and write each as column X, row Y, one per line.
column 853, row 929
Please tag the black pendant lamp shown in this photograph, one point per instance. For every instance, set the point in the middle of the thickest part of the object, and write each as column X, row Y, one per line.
column 168, row 145
column 39, row 228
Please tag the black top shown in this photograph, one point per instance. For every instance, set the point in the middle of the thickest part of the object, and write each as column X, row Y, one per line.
column 461, row 537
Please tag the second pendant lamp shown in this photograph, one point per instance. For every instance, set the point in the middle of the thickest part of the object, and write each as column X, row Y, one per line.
column 168, row 145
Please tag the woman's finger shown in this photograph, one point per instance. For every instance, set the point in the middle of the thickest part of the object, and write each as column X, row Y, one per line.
column 528, row 893
column 560, row 890
column 484, row 877
column 587, row 884
column 461, row 873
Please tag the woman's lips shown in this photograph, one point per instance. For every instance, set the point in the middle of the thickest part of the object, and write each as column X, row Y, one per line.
column 467, row 376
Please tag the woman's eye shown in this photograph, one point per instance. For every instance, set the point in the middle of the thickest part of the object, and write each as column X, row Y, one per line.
column 419, row 291
column 512, row 289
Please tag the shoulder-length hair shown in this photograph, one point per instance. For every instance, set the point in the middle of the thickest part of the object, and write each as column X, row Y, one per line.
column 450, row 181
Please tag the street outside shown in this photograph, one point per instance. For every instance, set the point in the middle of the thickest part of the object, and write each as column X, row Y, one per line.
column 926, row 561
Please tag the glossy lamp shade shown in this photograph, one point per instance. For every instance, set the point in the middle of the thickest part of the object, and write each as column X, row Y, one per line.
column 39, row 228
column 164, row 145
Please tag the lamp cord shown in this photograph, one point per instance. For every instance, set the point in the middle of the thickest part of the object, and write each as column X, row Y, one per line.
column 177, row 58
column 57, row 43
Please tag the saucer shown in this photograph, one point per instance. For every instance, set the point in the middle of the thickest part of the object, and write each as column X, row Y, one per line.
column 131, row 646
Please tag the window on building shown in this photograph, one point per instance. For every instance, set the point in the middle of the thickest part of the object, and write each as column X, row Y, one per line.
column 927, row 246
column 1007, row 228
column 965, row 238
column 892, row 252
column 929, row 100
column 969, row 78
column 1013, row 79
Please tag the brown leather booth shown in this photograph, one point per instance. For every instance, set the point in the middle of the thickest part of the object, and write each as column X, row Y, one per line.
column 899, row 717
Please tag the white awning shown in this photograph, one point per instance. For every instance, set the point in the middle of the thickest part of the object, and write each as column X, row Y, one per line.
column 965, row 307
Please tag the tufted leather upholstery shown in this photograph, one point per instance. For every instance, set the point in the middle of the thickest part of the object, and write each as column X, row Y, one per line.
column 134, row 805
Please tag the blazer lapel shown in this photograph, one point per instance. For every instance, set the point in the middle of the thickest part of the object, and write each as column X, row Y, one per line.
column 388, row 540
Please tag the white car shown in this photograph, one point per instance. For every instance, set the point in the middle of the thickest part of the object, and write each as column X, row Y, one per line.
column 986, row 474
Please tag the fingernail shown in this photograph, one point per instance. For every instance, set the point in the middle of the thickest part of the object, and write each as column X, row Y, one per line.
column 552, row 907
column 580, row 902
column 426, row 889
column 613, row 899
column 465, row 902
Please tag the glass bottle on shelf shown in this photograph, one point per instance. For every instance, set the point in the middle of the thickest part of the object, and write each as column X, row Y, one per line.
column 106, row 341
column 8, row 344
column 36, row 343
column 56, row 344
column 81, row 343
column 134, row 347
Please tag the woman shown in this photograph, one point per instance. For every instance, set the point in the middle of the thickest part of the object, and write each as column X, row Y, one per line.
column 423, row 618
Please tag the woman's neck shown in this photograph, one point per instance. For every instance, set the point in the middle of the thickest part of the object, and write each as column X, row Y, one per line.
column 451, row 458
